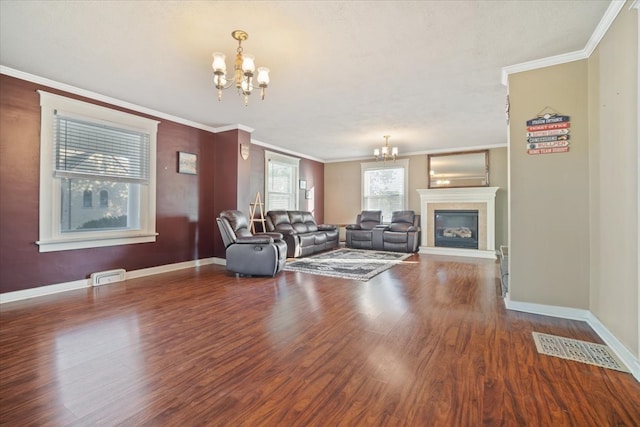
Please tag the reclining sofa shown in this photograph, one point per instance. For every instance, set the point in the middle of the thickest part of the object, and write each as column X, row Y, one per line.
column 402, row 234
column 301, row 233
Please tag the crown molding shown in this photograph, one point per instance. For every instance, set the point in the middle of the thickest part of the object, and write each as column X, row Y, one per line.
column 284, row 150
column 603, row 26
column 100, row 97
column 236, row 126
column 421, row 153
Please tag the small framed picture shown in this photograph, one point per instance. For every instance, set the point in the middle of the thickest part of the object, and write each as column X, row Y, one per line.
column 308, row 194
column 187, row 163
column 303, row 184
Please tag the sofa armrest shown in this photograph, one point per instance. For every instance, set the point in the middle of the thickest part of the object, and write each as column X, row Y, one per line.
column 326, row 227
column 273, row 235
column 353, row 227
column 252, row 240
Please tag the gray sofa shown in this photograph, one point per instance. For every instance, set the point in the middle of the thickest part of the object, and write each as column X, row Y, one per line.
column 301, row 233
column 402, row 234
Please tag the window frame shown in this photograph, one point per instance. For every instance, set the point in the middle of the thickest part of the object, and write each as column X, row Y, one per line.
column 281, row 158
column 51, row 238
column 368, row 166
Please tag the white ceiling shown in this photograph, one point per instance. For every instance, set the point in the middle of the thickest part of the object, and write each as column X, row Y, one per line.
column 343, row 74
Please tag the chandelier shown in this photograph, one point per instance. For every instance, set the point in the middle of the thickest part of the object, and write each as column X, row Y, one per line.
column 386, row 152
column 244, row 71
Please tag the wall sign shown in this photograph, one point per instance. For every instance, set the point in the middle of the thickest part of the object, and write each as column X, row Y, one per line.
column 548, row 134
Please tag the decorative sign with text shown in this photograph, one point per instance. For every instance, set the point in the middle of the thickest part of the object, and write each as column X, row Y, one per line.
column 548, row 134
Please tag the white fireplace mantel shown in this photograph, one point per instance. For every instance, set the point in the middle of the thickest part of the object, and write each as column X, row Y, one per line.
column 441, row 197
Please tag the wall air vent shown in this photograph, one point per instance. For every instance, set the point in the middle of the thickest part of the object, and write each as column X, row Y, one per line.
column 106, row 277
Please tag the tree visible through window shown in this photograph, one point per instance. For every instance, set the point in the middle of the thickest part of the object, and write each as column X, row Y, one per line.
column 281, row 178
column 85, row 147
column 383, row 187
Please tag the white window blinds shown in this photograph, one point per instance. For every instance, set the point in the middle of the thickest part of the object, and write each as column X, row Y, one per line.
column 83, row 149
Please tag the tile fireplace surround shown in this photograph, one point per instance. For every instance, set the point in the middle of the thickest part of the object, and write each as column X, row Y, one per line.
column 482, row 199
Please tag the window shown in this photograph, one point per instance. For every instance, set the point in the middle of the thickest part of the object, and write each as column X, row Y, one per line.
column 104, row 199
column 384, row 186
column 281, row 182
column 87, row 199
column 85, row 147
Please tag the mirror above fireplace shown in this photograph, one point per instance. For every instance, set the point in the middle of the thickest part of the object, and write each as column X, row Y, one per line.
column 457, row 170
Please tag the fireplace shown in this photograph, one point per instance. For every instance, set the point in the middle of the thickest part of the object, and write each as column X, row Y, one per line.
column 456, row 228
column 480, row 201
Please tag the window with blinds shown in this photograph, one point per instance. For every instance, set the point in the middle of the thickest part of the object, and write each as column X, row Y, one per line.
column 91, row 151
column 384, row 187
column 281, row 177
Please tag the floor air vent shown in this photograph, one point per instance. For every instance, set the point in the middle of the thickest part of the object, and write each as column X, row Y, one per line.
column 106, row 277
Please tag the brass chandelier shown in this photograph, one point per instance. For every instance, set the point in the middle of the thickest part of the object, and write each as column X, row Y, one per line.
column 386, row 152
column 244, row 71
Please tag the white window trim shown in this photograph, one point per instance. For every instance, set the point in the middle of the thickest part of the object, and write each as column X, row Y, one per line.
column 51, row 239
column 293, row 161
column 404, row 163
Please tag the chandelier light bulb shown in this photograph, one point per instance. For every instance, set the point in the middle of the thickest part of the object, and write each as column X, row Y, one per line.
column 219, row 65
column 263, row 76
column 248, row 66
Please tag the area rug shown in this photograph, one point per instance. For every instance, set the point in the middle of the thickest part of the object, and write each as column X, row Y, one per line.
column 356, row 264
column 579, row 351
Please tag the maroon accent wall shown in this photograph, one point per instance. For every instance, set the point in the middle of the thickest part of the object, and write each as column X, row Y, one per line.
column 186, row 205
column 184, row 224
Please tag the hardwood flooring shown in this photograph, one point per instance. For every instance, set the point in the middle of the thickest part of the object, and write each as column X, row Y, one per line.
column 426, row 343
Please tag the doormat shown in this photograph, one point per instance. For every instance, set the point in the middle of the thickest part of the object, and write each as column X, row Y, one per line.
column 356, row 264
column 579, row 351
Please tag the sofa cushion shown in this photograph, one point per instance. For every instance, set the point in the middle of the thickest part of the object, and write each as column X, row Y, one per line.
column 369, row 219
column 280, row 220
column 403, row 216
column 307, row 239
column 320, row 238
column 392, row 237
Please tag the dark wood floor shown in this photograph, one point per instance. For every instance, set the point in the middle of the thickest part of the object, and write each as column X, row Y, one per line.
column 427, row 343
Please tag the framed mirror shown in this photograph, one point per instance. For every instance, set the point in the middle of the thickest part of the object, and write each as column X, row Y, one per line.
column 456, row 170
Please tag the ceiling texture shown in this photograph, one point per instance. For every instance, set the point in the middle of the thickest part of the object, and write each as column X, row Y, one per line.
column 343, row 73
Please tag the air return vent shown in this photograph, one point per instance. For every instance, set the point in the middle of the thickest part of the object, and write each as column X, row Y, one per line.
column 106, row 277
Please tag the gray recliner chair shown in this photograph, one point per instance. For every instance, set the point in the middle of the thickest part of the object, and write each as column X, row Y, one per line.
column 260, row 254
column 402, row 234
column 359, row 235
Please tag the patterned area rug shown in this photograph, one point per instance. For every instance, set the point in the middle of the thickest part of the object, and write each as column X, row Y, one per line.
column 580, row 351
column 356, row 264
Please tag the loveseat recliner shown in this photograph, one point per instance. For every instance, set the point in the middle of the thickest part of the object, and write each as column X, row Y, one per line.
column 260, row 254
column 301, row 233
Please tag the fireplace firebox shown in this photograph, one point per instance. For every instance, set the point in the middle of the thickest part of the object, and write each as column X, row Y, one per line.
column 456, row 228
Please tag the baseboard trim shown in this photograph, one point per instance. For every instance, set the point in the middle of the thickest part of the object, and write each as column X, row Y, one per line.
column 627, row 357
column 85, row 283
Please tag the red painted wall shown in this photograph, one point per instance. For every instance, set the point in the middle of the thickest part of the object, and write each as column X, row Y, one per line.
column 186, row 207
column 184, row 225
